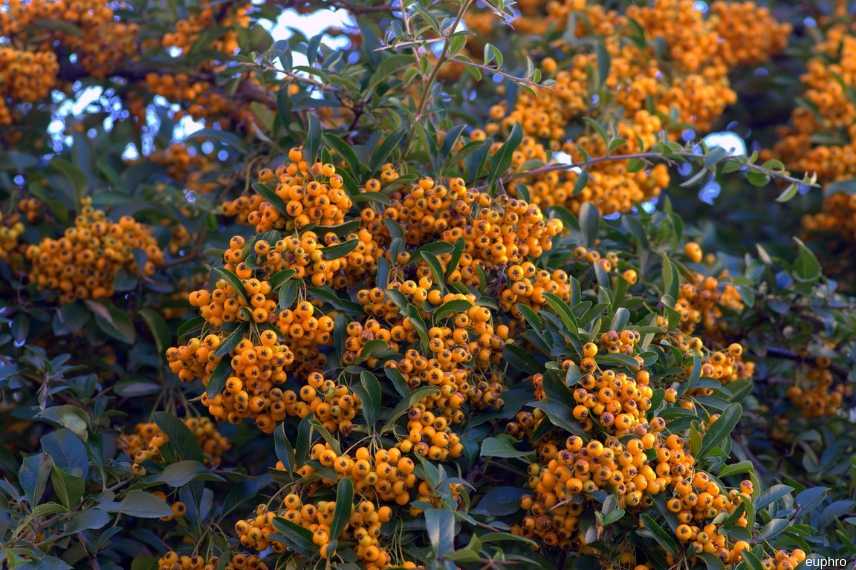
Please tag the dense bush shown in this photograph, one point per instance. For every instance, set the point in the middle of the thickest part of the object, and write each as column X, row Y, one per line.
column 454, row 285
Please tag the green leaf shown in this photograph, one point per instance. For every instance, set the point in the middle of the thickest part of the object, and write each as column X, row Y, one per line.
column 721, row 429
column 598, row 128
column 772, row 529
column 113, row 321
column 564, row 312
column 72, row 173
column 313, row 139
column 235, row 337
column 457, row 41
column 788, row 193
column 67, row 416
column 474, row 162
column 340, row 250
column 218, row 378
column 499, row 502
column 142, row 505
column 502, row 159
column 33, row 476
column 232, row 280
column 387, row 68
column 345, row 150
column 580, row 182
column 750, row 561
column 342, row 514
column 288, row 294
column 434, row 265
column 450, row 308
column 457, row 252
column 452, row 136
column 189, row 328
column 68, row 488
column 756, row 178
column 809, row 499
column 559, row 414
column 183, row 472
column 659, row 534
column 90, row 519
column 135, row 388
column 371, row 397
column 604, row 61
column 714, row 156
column 772, row 495
column 294, row 536
column 385, row 149
column 283, row 448
column 376, row 348
column 738, row 468
column 398, row 381
column 268, row 194
column 490, row 54
column 280, row 278
column 806, row 266
column 502, row 446
column 589, row 221
column 418, row 323
column 440, row 526
column 405, row 404
column 225, row 137
column 157, row 325
column 67, row 451
column 180, row 437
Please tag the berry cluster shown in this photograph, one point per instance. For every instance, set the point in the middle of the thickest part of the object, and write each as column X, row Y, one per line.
column 309, row 194
column 85, row 261
column 363, row 527
column 174, row 561
column 145, row 443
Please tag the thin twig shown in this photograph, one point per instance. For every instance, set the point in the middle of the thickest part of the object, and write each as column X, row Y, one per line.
column 494, row 71
column 650, row 155
column 426, row 92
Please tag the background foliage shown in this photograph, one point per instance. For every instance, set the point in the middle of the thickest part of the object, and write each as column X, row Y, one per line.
column 456, row 284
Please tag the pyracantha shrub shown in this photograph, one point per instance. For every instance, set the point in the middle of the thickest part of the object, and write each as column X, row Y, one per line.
column 447, row 285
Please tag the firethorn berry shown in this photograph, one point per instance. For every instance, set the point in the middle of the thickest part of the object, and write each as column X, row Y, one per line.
column 85, row 261
column 693, row 251
column 145, row 443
